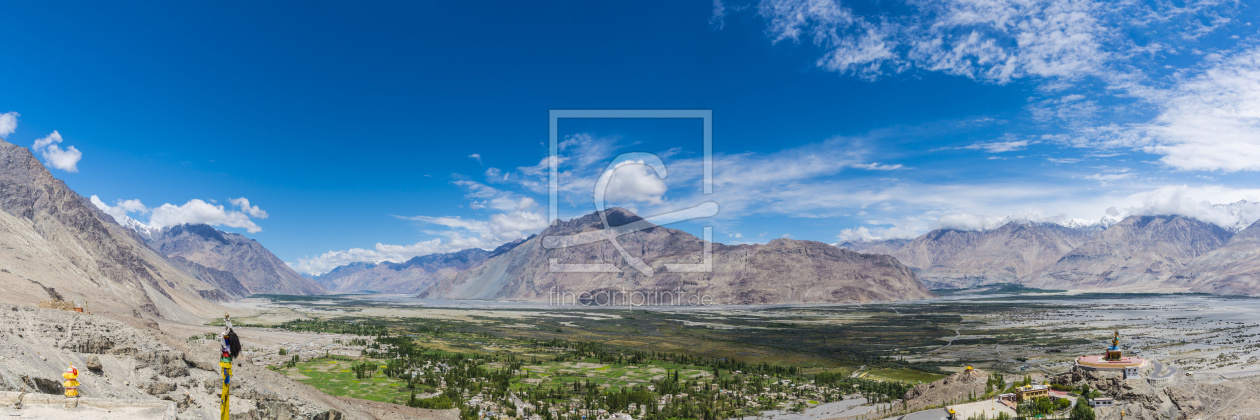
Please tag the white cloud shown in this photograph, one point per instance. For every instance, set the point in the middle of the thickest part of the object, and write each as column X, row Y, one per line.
column 1212, row 122
column 132, row 205
column 1066, row 161
column 1111, row 175
column 1209, row 204
column 252, row 211
column 1206, row 122
column 859, row 234
column 854, row 45
column 461, row 234
column 486, row 197
column 999, row 146
column 1093, row 77
column 193, row 212
column 987, row 40
column 718, row 19
column 970, row 222
column 517, row 219
column 498, row 229
column 120, row 210
column 634, row 181
column 8, row 123
column 475, row 156
column 198, row 211
column 64, row 159
column 876, row 166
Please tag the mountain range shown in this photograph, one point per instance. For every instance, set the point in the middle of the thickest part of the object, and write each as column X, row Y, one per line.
column 411, row 276
column 1137, row 254
column 956, row 258
column 782, row 271
column 1143, row 253
column 1134, row 254
column 59, row 245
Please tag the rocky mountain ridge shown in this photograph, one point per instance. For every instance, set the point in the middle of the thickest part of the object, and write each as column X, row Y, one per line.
column 253, row 266
column 1232, row 269
column 782, row 271
column 1139, row 253
column 947, row 258
column 58, row 244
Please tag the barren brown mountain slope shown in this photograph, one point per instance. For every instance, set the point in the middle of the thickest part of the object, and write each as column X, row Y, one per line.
column 949, row 258
column 256, row 268
column 1137, row 254
column 54, row 243
column 883, row 246
column 782, row 271
column 959, row 387
column 1233, row 269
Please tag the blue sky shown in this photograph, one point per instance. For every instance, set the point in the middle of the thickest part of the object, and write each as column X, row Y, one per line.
column 376, row 131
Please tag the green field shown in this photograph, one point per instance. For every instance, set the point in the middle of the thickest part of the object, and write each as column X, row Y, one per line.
column 334, row 377
column 906, row 375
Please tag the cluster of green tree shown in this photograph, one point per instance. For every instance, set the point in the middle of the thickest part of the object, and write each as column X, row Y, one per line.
column 352, row 341
column 1038, row 406
column 335, row 326
column 1082, row 411
column 363, row 370
column 580, row 350
column 996, row 383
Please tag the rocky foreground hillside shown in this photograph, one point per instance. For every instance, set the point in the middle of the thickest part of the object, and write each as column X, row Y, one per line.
column 958, row 387
column 120, row 361
column 782, row 271
column 1178, row 397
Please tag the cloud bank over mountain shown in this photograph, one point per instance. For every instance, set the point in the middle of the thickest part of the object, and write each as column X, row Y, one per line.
column 195, row 211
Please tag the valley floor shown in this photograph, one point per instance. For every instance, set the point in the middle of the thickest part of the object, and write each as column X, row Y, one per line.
column 1205, row 342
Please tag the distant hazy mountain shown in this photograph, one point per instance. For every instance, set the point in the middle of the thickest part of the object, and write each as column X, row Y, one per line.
column 57, row 244
column 412, row 276
column 781, row 271
column 1136, row 254
column 253, row 266
column 878, row 246
column 947, row 258
column 1233, row 269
